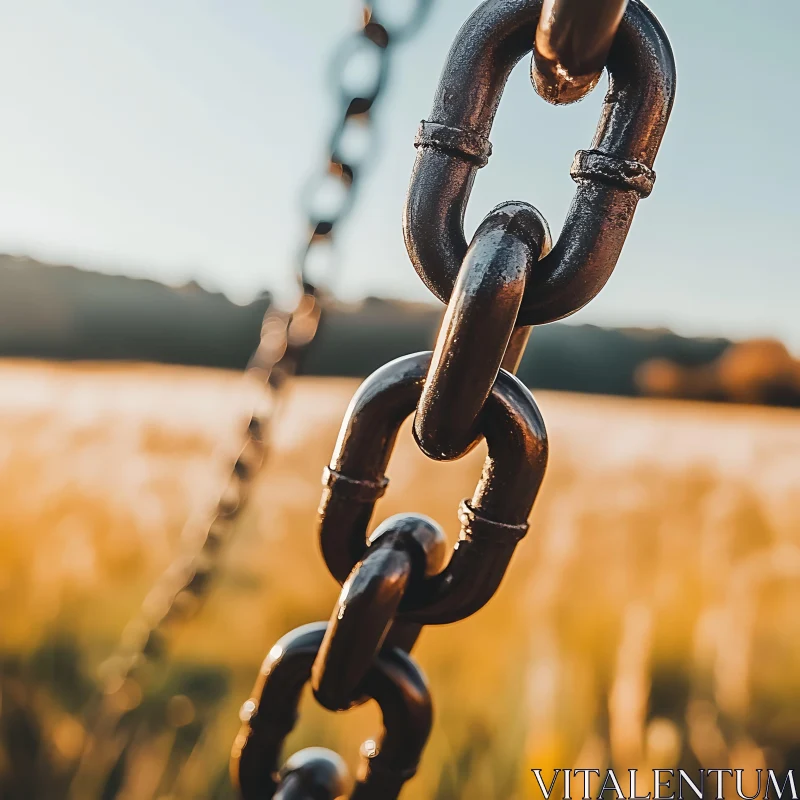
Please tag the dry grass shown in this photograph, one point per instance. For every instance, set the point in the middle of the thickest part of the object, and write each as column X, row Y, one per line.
column 648, row 619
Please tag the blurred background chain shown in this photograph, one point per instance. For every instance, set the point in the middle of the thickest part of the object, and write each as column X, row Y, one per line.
column 358, row 73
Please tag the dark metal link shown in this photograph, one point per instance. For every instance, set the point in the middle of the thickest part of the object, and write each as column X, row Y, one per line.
column 394, row 681
column 637, row 107
column 477, row 329
column 573, row 38
column 512, row 474
column 403, row 551
column 313, row 774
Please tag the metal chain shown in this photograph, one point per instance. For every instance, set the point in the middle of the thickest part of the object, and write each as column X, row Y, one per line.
column 286, row 335
column 398, row 579
column 329, row 195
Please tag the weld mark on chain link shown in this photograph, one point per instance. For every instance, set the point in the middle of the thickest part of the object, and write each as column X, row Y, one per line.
column 470, row 145
column 598, row 166
column 476, row 526
column 360, row 491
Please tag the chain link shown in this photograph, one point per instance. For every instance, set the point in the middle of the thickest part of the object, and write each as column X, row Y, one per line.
column 507, row 279
column 573, row 38
column 179, row 594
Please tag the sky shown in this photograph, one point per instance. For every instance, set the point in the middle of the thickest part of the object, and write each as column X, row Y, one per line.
column 171, row 139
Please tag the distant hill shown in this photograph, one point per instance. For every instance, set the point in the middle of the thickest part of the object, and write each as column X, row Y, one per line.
column 584, row 358
column 62, row 312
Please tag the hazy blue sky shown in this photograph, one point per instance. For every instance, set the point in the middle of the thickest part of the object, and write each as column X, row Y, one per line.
column 171, row 138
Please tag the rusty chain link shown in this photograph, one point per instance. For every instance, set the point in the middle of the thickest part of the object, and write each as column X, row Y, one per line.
column 507, row 279
column 286, row 335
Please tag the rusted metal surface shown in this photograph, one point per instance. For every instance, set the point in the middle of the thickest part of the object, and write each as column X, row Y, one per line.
column 573, row 39
column 396, row 580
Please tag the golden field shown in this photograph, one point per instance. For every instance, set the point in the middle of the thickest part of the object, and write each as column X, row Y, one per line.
column 648, row 619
